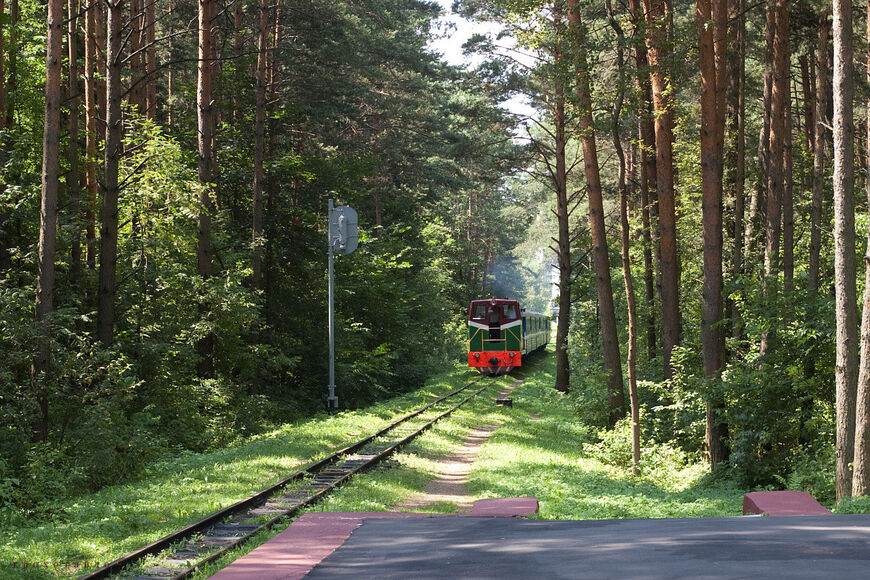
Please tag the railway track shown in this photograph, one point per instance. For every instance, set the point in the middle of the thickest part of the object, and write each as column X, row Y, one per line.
column 181, row 553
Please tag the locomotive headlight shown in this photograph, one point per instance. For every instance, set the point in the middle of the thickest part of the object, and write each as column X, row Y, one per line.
column 477, row 355
column 512, row 354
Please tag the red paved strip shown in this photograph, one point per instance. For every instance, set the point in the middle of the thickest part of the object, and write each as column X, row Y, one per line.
column 508, row 507
column 296, row 550
column 782, row 503
column 314, row 536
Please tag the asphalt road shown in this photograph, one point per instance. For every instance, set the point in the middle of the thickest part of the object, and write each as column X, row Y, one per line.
column 744, row 547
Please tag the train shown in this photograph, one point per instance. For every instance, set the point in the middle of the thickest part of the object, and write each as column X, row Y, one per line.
column 500, row 334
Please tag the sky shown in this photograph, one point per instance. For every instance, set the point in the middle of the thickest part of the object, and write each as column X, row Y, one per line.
column 450, row 46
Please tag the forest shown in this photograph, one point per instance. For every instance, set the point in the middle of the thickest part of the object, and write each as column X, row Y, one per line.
column 687, row 171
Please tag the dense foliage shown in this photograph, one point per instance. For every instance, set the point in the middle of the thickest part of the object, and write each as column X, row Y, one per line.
column 455, row 201
column 779, row 405
column 359, row 110
column 777, row 382
column 540, row 447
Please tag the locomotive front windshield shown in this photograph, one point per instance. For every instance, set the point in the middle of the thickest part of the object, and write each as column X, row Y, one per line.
column 478, row 311
column 494, row 314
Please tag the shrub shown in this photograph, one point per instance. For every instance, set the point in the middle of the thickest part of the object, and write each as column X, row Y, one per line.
column 853, row 505
column 7, row 486
column 814, row 474
column 660, row 463
column 50, row 474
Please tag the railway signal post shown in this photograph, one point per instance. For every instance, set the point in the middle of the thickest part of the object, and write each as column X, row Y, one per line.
column 343, row 239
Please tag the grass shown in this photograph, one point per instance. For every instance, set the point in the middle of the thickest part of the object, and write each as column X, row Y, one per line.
column 545, row 452
column 88, row 531
column 541, row 449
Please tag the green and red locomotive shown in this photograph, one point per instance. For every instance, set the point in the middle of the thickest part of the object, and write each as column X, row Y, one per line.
column 500, row 333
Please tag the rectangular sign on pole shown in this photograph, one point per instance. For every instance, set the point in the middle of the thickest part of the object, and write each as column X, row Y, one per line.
column 343, row 238
column 344, row 232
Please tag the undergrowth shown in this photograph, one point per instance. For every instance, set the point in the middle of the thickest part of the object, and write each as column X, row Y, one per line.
column 580, row 473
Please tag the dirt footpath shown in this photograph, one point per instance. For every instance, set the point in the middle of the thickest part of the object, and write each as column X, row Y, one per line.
column 452, row 472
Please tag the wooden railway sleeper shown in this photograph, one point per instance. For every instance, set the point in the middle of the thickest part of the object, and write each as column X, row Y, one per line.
column 218, row 541
column 331, row 472
column 178, row 563
column 161, row 572
column 287, row 501
column 234, row 529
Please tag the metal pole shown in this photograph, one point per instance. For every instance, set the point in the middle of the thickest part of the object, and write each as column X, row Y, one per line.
column 332, row 400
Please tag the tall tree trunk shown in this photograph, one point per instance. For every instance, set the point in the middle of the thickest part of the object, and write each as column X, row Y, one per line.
column 844, row 246
column 736, row 151
column 4, row 236
column 170, row 73
column 821, row 139
column 809, row 98
column 206, row 132
column 2, row 71
column 48, row 214
column 750, row 233
column 777, row 18
column 861, row 463
column 91, row 90
column 775, row 173
column 100, row 9
column 259, row 146
column 150, row 23
column 597, row 228
column 111, row 183
column 137, row 56
column 767, row 96
column 631, row 359
column 819, row 150
column 758, row 194
column 12, row 64
column 73, row 180
column 274, row 76
column 631, row 305
column 711, row 46
column 273, row 101
column 560, row 185
column 238, row 47
column 648, row 266
column 787, row 204
column 657, row 15
column 649, row 197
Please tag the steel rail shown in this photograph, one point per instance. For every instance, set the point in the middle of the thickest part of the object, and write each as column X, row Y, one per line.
column 365, row 466
column 261, row 498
